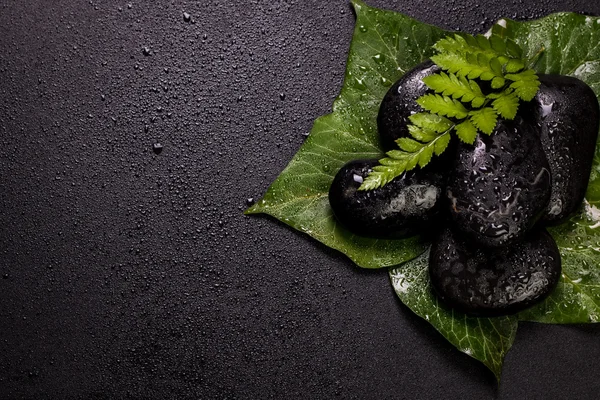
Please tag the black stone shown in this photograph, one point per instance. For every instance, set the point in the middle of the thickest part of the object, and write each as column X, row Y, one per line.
column 500, row 186
column 404, row 207
column 493, row 282
column 568, row 115
column 399, row 103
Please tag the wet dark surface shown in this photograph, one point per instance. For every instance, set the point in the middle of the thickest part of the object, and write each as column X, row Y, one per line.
column 131, row 137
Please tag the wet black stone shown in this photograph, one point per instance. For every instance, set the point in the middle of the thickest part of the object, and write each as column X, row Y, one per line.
column 500, row 186
column 493, row 282
column 404, row 207
column 568, row 115
column 399, row 104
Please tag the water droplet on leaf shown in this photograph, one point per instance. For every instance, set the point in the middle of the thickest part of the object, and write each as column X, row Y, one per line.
column 379, row 58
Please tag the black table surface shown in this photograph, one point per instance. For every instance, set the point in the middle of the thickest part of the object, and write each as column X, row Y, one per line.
column 131, row 274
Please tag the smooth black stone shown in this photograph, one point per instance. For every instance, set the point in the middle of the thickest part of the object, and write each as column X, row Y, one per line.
column 404, row 207
column 399, row 103
column 568, row 115
column 500, row 186
column 493, row 282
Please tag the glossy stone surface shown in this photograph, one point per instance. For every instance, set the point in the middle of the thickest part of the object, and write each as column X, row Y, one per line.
column 568, row 118
column 399, row 104
column 500, row 186
column 404, row 207
column 493, row 282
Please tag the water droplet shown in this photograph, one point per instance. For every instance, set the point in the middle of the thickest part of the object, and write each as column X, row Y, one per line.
column 357, row 178
column 379, row 58
column 157, row 148
column 187, row 17
column 546, row 108
column 363, row 28
column 359, row 84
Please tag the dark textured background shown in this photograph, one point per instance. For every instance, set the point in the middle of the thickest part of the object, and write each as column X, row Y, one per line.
column 127, row 274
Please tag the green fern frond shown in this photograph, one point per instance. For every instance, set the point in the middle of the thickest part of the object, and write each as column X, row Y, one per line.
column 506, row 106
column 525, row 84
column 433, row 122
column 409, row 145
column 466, row 131
column 463, row 89
column 484, row 119
column 459, row 104
column 397, row 161
column 444, row 106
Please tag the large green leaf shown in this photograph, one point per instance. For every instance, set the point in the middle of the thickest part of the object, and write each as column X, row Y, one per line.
column 577, row 297
column 572, row 47
column 385, row 44
column 486, row 339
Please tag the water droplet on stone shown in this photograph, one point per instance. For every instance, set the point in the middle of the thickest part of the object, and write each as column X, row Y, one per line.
column 187, row 17
column 157, row 148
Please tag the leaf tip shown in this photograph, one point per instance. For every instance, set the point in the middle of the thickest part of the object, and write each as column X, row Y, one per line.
column 254, row 209
column 357, row 4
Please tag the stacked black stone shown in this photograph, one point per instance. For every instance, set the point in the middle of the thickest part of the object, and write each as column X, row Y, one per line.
column 487, row 203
